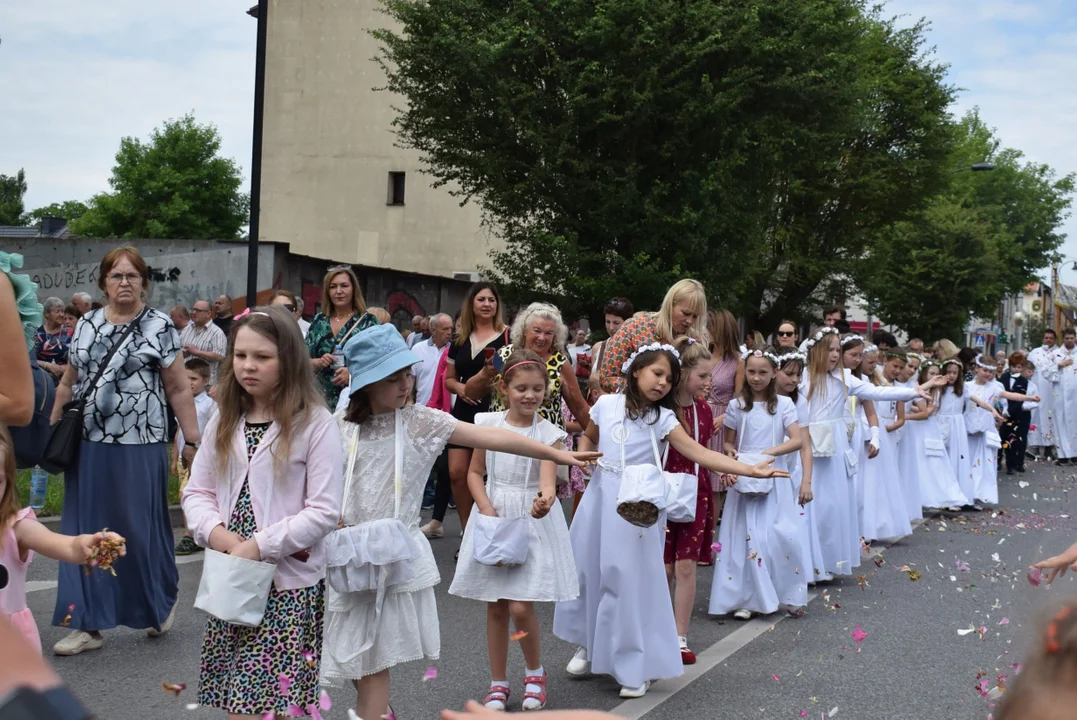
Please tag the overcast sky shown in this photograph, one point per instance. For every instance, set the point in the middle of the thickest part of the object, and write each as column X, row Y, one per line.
column 76, row 76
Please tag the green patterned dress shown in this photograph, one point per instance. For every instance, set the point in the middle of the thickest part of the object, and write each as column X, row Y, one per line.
column 320, row 340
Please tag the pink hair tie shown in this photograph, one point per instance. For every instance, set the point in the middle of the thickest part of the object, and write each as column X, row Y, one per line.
column 243, row 314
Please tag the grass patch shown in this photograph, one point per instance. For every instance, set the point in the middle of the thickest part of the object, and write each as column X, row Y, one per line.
column 54, row 496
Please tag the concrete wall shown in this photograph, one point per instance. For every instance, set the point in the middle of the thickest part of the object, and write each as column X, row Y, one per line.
column 329, row 147
column 182, row 271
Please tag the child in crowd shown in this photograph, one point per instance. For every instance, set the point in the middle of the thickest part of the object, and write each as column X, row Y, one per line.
column 623, row 621
column 1018, row 379
column 21, row 535
column 204, row 406
column 922, row 456
column 391, row 446
column 266, row 486
column 885, row 514
column 687, row 543
column 759, row 566
column 953, row 405
column 826, row 388
column 517, row 487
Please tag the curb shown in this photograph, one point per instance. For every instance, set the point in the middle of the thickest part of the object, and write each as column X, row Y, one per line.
column 175, row 512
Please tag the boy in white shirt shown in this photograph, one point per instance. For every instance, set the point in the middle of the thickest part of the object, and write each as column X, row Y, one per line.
column 198, row 373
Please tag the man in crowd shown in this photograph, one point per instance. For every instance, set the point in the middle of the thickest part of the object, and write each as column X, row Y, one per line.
column 578, row 347
column 420, row 330
column 223, row 315
column 181, row 317
column 204, row 339
column 1042, row 434
column 916, row 345
column 1066, row 399
column 429, row 351
column 883, row 340
column 304, row 326
column 82, row 302
column 832, row 315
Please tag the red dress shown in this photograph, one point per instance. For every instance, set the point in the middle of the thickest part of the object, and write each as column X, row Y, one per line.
column 692, row 541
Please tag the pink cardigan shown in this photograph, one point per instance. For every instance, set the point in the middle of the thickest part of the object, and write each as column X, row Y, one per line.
column 440, row 397
column 305, row 506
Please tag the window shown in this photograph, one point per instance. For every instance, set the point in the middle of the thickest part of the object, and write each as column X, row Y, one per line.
column 396, row 188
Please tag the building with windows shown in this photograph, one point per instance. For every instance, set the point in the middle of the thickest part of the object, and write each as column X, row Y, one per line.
column 335, row 185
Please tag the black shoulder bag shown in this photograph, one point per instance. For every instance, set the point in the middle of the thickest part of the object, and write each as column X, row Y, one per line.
column 62, row 451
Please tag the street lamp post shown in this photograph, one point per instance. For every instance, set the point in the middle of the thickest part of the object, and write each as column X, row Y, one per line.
column 261, row 12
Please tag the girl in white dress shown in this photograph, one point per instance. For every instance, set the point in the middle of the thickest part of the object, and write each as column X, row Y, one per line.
column 759, row 566
column 623, row 619
column 984, row 440
column 884, row 514
column 787, row 382
column 954, row 405
column 826, row 388
column 859, row 418
column 922, row 455
column 389, row 450
column 892, row 419
column 518, row 487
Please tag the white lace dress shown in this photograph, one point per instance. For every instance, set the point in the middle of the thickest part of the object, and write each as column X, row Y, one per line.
column 549, row 574
column 408, row 627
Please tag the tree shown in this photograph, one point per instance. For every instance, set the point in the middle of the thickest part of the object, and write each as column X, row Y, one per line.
column 986, row 235
column 617, row 145
column 12, row 190
column 68, row 210
column 173, row 186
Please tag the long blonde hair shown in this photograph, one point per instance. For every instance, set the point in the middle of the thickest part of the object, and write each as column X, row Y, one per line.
column 944, row 350
column 292, row 400
column 692, row 293
column 819, row 362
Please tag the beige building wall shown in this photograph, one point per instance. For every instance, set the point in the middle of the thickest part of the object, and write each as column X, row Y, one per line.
column 328, row 149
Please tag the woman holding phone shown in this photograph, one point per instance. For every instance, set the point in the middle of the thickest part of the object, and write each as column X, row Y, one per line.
column 469, row 374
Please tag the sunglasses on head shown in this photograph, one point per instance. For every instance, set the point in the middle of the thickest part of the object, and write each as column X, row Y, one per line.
column 786, row 333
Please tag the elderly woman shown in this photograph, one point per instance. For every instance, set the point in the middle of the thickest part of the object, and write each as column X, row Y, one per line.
column 683, row 312
column 343, row 314
column 52, row 339
column 120, row 480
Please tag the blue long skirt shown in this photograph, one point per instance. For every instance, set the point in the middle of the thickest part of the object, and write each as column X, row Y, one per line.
column 123, row 488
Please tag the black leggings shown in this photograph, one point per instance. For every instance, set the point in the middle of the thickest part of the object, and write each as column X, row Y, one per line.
column 443, row 486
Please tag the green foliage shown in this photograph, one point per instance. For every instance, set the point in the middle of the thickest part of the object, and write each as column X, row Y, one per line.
column 12, row 190
column 618, row 145
column 173, row 186
column 986, row 235
column 68, row 210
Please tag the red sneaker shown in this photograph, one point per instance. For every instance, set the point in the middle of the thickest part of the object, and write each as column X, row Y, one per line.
column 687, row 656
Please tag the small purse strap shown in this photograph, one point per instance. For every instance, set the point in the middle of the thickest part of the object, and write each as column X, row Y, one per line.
column 398, row 464
column 127, row 330
column 695, row 436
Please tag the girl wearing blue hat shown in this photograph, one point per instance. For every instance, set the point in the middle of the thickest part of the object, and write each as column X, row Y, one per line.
column 381, row 607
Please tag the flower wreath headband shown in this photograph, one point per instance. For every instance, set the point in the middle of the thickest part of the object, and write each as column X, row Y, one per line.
column 952, row 361
column 819, row 335
column 980, row 363
column 851, row 339
column 627, row 365
column 870, row 349
column 912, row 355
column 930, row 363
column 789, row 357
column 892, row 355
column 745, row 353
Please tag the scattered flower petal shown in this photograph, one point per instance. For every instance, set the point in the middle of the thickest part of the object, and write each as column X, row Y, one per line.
column 966, row 631
column 1004, row 621
column 174, row 689
column 283, row 683
column 994, row 557
column 776, row 678
column 324, row 702
column 716, row 548
column 430, row 674
column 858, row 635
column 1034, row 577
column 518, row 635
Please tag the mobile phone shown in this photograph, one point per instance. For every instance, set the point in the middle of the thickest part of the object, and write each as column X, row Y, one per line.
column 489, row 353
column 499, row 363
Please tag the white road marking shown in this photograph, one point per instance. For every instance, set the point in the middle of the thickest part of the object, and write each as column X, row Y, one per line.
column 38, row 585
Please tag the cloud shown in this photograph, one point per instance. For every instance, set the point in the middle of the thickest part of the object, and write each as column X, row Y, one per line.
column 78, row 76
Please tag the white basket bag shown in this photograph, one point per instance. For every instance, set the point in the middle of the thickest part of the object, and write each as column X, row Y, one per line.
column 746, row 484
column 642, row 483
column 235, row 589
column 498, row 541
column 683, row 489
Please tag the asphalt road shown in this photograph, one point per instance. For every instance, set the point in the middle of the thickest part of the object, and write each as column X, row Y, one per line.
column 914, row 662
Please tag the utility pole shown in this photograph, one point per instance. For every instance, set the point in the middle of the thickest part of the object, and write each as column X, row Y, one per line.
column 256, row 152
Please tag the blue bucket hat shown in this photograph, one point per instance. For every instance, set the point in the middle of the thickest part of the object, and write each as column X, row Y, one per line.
column 375, row 354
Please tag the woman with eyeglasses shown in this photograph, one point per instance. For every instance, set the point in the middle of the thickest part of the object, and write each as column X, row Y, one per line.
column 786, row 335
column 287, row 300
column 343, row 314
column 120, row 480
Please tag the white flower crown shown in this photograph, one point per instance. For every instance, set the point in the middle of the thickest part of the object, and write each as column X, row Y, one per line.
column 819, row 335
column 648, row 348
column 955, row 360
column 795, row 356
column 746, row 353
column 982, row 364
column 870, row 349
column 851, row 339
column 916, row 355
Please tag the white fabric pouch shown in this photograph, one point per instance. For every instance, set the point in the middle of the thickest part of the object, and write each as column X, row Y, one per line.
column 994, row 440
column 933, row 447
column 642, row 485
column 753, row 486
column 683, row 490
column 822, row 439
column 498, row 541
column 234, row 589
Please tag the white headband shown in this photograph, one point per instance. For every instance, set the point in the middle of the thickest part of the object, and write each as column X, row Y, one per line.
column 819, row 335
column 627, row 365
column 795, row 356
column 746, row 353
column 982, row 364
column 851, row 339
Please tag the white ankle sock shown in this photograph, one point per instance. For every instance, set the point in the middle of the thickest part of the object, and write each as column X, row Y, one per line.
column 497, row 704
column 531, row 703
column 683, row 640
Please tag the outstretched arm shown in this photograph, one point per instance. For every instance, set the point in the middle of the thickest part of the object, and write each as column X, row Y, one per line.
column 506, row 441
column 717, row 462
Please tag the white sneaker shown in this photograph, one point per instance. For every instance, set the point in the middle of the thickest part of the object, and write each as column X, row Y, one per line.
column 579, row 664
column 433, row 531
column 77, row 642
column 743, row 614
column 635, row 692
column 165, row 626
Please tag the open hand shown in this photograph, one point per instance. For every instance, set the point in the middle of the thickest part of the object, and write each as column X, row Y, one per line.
column 577, row 459
column 765, row 469
column 1059, row 564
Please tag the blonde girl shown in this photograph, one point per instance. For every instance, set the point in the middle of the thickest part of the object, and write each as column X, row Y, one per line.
column 687, row 543
column 517, row 487
column 266, row 486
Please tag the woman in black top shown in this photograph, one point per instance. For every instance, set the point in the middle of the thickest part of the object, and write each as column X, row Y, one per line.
column 469, row 374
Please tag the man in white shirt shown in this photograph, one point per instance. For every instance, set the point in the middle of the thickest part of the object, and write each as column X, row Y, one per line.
column 304, row 326
column 1066, row 399
column 579, row 347
column 420, row 331
column 203, row 339
column 1042, row 433
column 429, row 351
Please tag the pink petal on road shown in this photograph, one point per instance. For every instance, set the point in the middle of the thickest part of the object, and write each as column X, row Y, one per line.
column 1034, row 577
column 858, row 635
column 430, row 674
